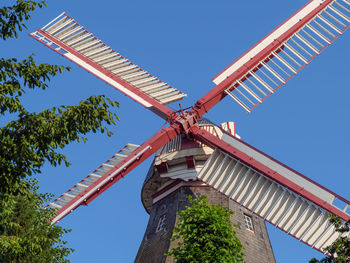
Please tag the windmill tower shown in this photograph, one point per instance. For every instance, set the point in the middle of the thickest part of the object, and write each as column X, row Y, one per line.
column 284, row 197
column 171, row 179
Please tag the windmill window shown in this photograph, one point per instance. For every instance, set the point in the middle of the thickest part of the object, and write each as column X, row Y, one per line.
column 248, row 222
column 161, row 223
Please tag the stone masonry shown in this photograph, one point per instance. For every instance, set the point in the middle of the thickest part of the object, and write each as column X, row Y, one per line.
column 156, row 240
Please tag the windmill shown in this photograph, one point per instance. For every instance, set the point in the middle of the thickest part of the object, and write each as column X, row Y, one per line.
column 278, row 56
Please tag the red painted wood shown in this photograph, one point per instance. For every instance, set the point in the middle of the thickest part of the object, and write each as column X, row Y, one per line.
column 202, row 106
column 215, row 142
column 156, row 142
column 157, row 107
column 215, row 95
column 162, row 168
column 168, row 187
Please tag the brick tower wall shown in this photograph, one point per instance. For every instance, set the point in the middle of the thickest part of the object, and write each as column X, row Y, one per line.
column 156, row 240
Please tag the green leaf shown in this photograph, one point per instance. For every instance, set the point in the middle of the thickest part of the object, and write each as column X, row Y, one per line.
column 32, row 139
column 204, row 233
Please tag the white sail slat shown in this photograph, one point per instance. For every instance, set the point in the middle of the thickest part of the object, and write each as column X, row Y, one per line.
column 74, row 42
column 272, row 201
column 272, row 67
column 63, row 202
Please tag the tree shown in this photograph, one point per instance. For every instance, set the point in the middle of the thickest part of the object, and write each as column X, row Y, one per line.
column 26, row 234
column 205, row 234
column 33, row 138
column 29, row 141
column 339, row 250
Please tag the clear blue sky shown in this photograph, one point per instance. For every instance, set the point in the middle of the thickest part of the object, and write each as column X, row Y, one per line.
column 186, row 43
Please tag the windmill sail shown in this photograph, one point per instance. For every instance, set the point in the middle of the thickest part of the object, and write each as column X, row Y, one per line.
column 65, row 36
column 273, row 191
column 273, row 61
column 79, row 193
column 109, row 173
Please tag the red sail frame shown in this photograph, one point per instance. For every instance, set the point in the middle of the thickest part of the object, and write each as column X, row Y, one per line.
column 215, row 142
column 305, row 195
column 118, row 171
column 259, row 59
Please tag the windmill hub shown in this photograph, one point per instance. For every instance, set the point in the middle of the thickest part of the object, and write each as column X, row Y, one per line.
column 186, row 120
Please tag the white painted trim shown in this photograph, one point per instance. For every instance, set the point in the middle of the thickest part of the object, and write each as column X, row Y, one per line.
column 109, row 80
column 173, row 189
column 86, row 195
column 268, row 40
column 275, row 166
